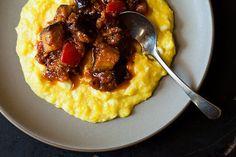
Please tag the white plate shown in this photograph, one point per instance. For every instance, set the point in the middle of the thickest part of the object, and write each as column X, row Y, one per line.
column 55, row 127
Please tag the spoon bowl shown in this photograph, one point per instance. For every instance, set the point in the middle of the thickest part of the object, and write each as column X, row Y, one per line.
column 141, row 29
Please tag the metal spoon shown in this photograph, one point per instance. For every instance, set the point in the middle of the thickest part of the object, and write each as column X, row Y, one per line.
column 144, row 32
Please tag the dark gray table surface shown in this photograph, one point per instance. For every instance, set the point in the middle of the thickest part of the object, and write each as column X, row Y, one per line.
column 191, row 135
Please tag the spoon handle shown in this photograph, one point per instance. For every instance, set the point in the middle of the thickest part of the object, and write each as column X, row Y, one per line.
column 207, row 108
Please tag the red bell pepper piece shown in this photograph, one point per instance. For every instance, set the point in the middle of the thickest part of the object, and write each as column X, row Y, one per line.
column 115, row 7
column 70, row 55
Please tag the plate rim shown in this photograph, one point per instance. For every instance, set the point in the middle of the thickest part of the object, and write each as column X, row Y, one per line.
column 60, row 146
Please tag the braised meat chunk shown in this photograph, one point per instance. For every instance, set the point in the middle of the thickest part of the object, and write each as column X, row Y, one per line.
column 83, row 29
column 104, row 81
column 86, row 38
column 113, row 35
column 55, row 70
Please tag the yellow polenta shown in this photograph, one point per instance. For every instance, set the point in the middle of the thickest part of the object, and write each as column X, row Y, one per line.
column 85, row 102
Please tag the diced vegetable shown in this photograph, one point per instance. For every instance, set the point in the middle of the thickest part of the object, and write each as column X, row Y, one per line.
column 70, row 55
column 106, row 58
column 52, row 37
column 115, row 7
